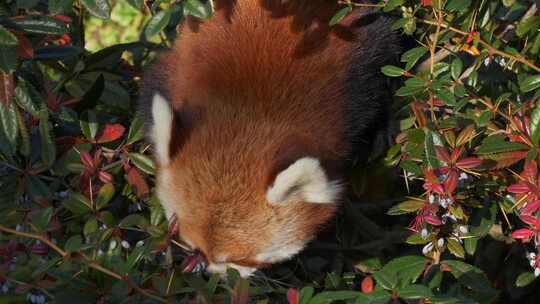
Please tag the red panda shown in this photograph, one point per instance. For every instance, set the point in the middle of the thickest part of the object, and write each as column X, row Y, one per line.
column 254, row 115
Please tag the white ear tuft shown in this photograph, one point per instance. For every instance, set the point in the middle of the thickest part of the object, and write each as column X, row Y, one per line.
column 162, row 117
column 304, row 180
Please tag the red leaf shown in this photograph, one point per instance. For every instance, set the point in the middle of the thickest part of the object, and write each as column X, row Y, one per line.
column 530, row 170
column 87, row 160
column 530, row 207
column 136, row 180
column 84, row 182
column 427, row 2
column 194, row 263
column 433, row 220
column 174, row 228
column 442, row 154
column 450, row 183
column 367, row 285
column 292, row 296
column 23, row 288
column 523, row 234
column 531, row 220
column 110, row 132
column 456, row 154
column 519, row 188
column 469, row 162
column 25, row 49
column 52, row 101
column 62, row 18
column 7, row 88
column 105, row 177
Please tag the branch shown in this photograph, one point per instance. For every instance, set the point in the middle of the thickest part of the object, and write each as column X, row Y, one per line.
column 89, row 262
column 490, row 48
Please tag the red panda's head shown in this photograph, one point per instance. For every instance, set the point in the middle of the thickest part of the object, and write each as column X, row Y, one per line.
column 246, row 193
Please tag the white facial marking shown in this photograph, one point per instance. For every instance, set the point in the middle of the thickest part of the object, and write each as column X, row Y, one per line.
column 304, row 180
column 166, row 197
column 221, row 268
column 162, row 117
column 278, row 252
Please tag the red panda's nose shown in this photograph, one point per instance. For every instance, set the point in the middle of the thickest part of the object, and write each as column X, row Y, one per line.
column 195, row 262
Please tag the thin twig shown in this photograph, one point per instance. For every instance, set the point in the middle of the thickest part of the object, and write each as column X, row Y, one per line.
column 490, row 48
column 349, row 2
column 89, row 262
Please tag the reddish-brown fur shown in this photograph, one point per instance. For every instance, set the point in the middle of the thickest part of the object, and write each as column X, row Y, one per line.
column 256, row 87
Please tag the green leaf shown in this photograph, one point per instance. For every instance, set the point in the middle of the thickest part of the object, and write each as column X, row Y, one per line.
column 534, row 125
column 198, row 9
column 456, row 68
column 26, row 4
column 51, row 52
column 530, row 83
column 41, row 25
column 158, row 22
column 409, row 90
column 37, row 189
column 429, row 149
column 458, row 5
column 73, row 244
column 406, row 268
column 406, row 207
column 24, row 98
column 143, row 162
column 473, row 278
column 41, row 218
column 500, row 147
column 387, row 279
column 6, row 37
column 8, row 120
column 137, row 4
column 525, row 279
column 59, row 6
column 134, row 220
column 99, row 8
column 8, row 58
column 340, row 15
column 89, row 125
column 136, row 130
column 414, row 292
column 376, row 297
column 48, row 146
column 446, row 96
column 104, row 195
column 412, row 56
column 77, row 203
column 531, row 23
column 305, row 295
column 470, row 245
column 90, row 227
column 134, row 257
column 455, row 247
column 482, row 220
column 392, row 71
column 392, row 4
column 330, row 296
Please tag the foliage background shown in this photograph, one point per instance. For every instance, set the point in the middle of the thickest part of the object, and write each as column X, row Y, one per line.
column 454, row 219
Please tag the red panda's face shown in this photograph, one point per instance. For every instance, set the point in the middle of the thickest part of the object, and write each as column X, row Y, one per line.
column 234, row 202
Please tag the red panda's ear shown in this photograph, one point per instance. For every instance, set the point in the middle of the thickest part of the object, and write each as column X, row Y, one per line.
column 303, row 181
column 162, row 125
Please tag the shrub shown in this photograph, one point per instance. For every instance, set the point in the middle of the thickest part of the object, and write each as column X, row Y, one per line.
column 80, row 220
